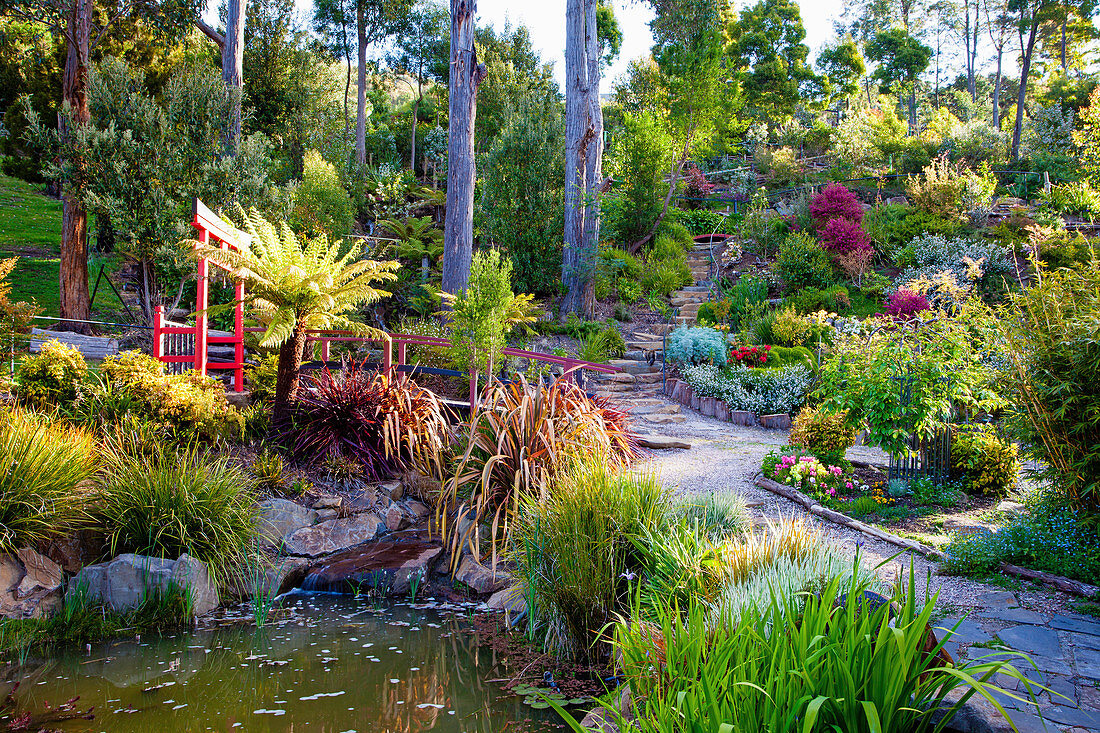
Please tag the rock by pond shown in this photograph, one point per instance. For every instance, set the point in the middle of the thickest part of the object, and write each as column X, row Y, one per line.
column 30, row 585
column 122, row 583
column 391, row 566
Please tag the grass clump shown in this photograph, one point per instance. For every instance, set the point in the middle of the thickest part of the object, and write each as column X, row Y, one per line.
column 44, row 479
column 165, row 503
column 576, row 552
column 718, row 514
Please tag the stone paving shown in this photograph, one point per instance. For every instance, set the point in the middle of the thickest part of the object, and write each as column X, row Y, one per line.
column 1063, row 654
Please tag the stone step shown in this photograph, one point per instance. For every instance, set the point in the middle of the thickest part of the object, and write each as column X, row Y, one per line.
column 645, row 345
column 633, row 366
column 659, row 409
column 649, row 377
column 644, row 356
column 695, row 289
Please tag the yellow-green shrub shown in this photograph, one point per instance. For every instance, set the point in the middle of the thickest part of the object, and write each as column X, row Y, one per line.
column 826, row 434
column 990, row 463
column 190, row 402
column 791, row 328
column 53, row 376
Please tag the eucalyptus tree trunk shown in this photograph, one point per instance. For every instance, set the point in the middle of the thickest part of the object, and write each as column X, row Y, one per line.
column 465, row 76
column 1027, row 52
column 583, row 154
column 73, row 275
column 233, row 68
column 361, row 96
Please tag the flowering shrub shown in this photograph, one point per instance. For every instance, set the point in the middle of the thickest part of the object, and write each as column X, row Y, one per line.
column 810, row 475
column 791, row 328
column 991, row 464
column 835, row 202
column 763, row 391
column 750, row 356
column 905, row 303
column 841, row 237
column 969, row 260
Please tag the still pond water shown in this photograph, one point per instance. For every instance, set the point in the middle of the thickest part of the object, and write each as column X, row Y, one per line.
column 330, row 664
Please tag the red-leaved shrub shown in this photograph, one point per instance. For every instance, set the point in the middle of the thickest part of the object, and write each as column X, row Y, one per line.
column 697, row 183
column 835, row 202
column 841, row 236
column 905, row 303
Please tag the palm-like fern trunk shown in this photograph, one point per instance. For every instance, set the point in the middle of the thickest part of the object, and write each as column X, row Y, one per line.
column 290, row 367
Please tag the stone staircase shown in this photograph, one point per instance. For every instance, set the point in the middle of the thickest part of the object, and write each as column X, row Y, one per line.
column 687, row 300
column 638, row 385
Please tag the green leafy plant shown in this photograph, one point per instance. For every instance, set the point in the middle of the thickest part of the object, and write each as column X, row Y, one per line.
column 269, row 468
column 607, row 344
column 322, row 205
column 483, row 314
column 575, row 552
column 44, row 475
column 53, row 376
column 802, row 263
column 717, row 514
column 790, row 328
column 1052, row 351
column 838, row 658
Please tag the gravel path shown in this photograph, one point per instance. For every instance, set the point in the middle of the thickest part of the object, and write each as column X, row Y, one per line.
column 1065, row 646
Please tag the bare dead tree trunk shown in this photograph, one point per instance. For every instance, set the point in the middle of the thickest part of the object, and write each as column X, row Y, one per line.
column 361, row 99
column 465, row 76
column 74, row 298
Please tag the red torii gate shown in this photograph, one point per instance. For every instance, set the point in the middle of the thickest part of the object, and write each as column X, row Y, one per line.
column 209, row 225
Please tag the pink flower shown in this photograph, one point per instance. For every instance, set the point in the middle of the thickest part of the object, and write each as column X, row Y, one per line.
column 847, row 484
column 832, row 491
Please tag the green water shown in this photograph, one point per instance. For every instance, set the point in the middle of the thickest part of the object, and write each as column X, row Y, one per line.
column 328, row 663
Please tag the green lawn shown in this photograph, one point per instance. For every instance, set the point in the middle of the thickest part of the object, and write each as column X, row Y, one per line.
column 30, row 228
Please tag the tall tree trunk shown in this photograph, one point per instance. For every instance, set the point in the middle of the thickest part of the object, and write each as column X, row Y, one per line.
column 1065, row 21
column 288, row 376
column 347, row 71
column 913, row 107
column 233, row 68
column 73, row 278
column 1021, row 97
column 465, row 76
column 412, row 134
column 593, row 172
column 997, row 91
column 361, row 100
column 576, row 83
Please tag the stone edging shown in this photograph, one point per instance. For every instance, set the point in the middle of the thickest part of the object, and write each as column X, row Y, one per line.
column 844, row 520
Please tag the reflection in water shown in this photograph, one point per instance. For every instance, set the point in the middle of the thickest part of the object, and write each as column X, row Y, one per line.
column 332, row 664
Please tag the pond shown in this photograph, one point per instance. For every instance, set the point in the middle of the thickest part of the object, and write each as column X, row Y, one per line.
column 326, row 663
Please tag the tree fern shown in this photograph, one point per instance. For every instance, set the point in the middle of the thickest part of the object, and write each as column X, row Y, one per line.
column 296, row 286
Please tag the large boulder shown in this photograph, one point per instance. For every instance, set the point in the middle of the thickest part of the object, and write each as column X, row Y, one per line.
column 389, row 566
column 124, row 582
column 325, row 538
column 279, row 518
column 480, row 578
column 30, row 585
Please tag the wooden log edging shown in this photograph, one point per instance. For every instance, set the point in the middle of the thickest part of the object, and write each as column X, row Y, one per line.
column 812, row 506
column 1057, row 582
